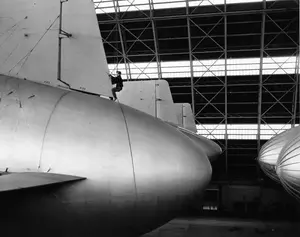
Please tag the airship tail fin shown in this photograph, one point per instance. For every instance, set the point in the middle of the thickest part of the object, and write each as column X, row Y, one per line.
column 17, row 181
column 56, row 43
column 185, row 116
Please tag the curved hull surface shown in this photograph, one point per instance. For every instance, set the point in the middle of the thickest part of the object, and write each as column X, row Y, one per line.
column 269, row 153
column 288, row 164
column 139, row 171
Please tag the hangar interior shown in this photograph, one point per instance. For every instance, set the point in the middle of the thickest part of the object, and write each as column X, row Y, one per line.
column 237, row 63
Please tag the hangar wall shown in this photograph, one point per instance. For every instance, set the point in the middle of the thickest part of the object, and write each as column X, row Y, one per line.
column 236, row 63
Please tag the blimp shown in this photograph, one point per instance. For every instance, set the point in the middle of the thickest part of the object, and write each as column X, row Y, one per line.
column 288, row 164
column 270, row 151
column 279, row 158
column 73, row 162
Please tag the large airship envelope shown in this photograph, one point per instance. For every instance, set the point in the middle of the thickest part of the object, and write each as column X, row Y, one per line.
column 288, row 165
column 29, row 36
column 270, row 151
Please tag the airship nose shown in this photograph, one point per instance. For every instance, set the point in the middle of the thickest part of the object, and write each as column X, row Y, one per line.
column 268, row 157
column 269, row 153
column 288, row 165
column 167, row 165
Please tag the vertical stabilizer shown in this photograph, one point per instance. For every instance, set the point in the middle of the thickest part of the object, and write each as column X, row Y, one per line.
column 140, row 95
column 29, row 32
column 166, row 109
column 84, row 50
column 185, row 116
column 152, row 97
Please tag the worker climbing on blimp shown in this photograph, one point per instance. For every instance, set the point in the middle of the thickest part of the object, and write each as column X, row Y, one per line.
column 118, row 82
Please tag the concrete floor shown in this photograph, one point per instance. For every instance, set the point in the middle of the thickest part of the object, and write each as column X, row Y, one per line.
column 225, row 228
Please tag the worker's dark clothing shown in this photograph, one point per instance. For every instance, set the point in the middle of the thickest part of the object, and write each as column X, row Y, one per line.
column 119, row 85
column 117, row 80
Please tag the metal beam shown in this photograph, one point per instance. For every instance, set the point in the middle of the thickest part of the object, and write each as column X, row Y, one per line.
column 297, row 83
column 207, row 34
column 117, row 20
column 207, row 52
column 225, row 85
column 283, row 30
column 155, row 39
column 262, row 47
column 212, row 24
column 295, row 100
column 190, row 56
column 246, row 117
column 201, row 37
column 136, row 38
column 184, row 16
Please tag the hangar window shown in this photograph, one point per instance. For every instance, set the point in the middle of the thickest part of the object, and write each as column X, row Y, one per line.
column 136, row 70
column 241, row 131
column 208, row 68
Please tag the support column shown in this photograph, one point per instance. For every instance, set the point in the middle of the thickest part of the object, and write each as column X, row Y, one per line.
column 262, row 47
column 190, row 56
column 259, row 112
column 155, row 39
column 226, row 86
column 127, row 68
column 295, row 101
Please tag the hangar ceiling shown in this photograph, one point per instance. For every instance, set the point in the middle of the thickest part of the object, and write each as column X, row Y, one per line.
column 236, row 63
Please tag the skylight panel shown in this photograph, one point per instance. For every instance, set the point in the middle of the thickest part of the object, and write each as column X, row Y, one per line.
column 239, row 1
column 144, row 70
column 176, row 75
column 241, row 131
column 135, row 76
column 213, row 68
column 175, row 64
column 170, row 5
column 175, row 69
